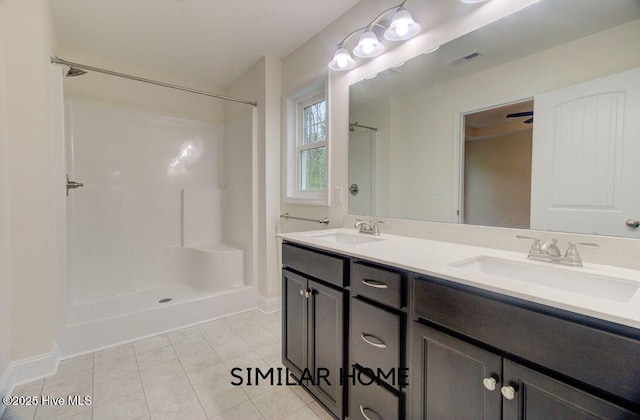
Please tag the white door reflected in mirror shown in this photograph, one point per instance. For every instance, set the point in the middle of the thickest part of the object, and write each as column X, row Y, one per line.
column 586, row 154
column 362, row 171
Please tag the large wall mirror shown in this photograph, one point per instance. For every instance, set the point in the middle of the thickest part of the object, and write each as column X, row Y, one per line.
column 529, row 122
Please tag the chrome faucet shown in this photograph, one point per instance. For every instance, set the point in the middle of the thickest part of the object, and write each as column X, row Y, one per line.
column 370, row 227
column 551, row 248
column 550, row 251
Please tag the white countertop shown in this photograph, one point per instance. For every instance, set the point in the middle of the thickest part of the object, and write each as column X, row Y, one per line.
column 434, row 258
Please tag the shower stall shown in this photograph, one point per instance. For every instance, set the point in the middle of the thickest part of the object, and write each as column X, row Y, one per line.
column 159, row 222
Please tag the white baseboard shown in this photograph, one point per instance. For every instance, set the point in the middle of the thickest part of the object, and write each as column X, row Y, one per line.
column 6, row 386
column 27, row 370
column 269, row 305
column 35, row 368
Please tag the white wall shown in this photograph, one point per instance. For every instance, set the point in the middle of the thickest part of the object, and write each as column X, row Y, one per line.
column 5, row 256
column 238, row 184
column 262, row 84
column 28, row 42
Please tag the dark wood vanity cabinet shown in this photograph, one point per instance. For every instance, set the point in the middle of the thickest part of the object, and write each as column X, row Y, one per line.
column 313, row 333
column 470, row 353
column 480, row 356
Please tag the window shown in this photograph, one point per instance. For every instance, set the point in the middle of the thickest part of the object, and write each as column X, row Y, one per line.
column 311, row 148
column 306, row 171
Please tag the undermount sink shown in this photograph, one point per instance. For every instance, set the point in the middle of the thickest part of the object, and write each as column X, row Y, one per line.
column 552, row 277
column 348, row 238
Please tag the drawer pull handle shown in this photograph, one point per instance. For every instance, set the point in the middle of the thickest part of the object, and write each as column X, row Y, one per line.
column 380, row 345
column 490, row 383
column 362, row 408
column 374, row 284
column 508, row 392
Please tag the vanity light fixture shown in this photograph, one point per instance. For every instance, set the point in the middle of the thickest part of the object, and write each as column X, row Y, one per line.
column 400, row 28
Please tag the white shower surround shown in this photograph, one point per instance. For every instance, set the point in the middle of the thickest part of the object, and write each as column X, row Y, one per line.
column 148, row 225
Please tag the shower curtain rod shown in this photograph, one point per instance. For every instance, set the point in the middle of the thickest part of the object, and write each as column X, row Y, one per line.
column 57, row 60
column 355, row 124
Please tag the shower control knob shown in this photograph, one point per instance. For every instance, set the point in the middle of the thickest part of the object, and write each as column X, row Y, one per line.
column 632, row 223
column 72, row 184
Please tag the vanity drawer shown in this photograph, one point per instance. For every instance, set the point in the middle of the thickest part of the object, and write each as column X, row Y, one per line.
column 317, row 264
column 375, row 337
column 373, row 401
column 379, row 284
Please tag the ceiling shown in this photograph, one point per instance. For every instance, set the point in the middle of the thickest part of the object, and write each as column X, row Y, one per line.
column 498, row 115
column 211, row 41
column 493, row 122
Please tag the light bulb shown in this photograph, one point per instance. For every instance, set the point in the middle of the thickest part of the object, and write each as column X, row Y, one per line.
column 368, row 46
column 402, row 29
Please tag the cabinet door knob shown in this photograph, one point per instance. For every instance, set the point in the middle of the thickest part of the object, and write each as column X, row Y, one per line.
column 508, row 392
column 301, row 292
column 362, row 408
column 490, row 383
column 380, row 345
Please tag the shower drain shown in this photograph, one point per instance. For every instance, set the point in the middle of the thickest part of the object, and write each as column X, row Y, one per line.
column 165, row 300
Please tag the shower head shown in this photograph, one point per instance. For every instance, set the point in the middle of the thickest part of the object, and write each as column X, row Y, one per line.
column 73, row 72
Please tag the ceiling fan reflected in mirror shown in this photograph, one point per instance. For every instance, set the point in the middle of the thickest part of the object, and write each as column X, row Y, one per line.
column 522, row 114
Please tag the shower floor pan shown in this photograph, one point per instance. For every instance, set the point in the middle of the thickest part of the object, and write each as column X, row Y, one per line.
column 103, row 323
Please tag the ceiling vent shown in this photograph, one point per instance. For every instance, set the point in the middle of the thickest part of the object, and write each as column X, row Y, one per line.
column 465, row 59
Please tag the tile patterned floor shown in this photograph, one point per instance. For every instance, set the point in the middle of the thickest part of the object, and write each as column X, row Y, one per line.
column 184, row 374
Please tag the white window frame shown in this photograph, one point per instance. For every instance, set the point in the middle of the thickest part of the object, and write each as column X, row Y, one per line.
column 294, row 106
